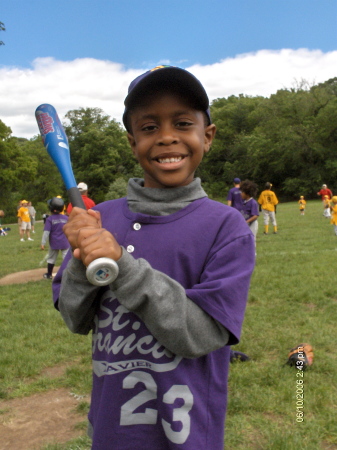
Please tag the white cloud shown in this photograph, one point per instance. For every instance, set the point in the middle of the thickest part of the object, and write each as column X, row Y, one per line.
column 95, row 83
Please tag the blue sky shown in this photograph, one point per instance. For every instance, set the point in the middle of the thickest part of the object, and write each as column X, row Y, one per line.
column 231, row 45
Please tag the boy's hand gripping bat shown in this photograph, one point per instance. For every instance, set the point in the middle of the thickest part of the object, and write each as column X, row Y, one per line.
column 102, row 271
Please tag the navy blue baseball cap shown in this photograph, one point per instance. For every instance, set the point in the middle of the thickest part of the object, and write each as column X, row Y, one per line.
column 167, row 77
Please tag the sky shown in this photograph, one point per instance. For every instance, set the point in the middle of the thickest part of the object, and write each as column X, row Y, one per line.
column 84, row 53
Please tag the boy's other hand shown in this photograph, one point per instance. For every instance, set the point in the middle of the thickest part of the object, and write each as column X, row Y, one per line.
column 88, row 239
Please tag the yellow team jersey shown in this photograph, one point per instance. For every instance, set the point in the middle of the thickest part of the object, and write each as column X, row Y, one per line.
column 302, row 204
column 23, row 213
column 268, row 200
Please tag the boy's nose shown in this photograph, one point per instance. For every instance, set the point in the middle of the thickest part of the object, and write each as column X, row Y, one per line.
column 167, row 136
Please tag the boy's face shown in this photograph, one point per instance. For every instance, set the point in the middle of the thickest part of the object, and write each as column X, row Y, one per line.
column 169, row 140
column 244, row 196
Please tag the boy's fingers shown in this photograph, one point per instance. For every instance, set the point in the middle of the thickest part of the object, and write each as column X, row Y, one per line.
column 95, row 244
column 96, row 215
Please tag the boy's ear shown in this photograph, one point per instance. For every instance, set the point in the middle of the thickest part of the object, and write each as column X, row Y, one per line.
column 210, row 131
column 132, row 143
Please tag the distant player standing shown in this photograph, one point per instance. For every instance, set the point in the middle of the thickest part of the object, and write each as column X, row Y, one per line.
column 53, row 231
column 302, row 204
column 268, row 202
column 24, row 217
column 250, row 208
column 234, row 198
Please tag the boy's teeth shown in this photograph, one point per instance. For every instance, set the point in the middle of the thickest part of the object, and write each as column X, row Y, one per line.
column 169, row 160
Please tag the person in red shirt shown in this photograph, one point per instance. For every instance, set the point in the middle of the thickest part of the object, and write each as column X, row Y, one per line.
column 325, row 191
column 83, row 188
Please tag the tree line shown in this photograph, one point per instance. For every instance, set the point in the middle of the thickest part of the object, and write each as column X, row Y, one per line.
column 289, row 139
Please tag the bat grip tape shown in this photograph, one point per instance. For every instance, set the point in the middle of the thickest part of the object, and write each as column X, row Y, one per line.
column 75, row 197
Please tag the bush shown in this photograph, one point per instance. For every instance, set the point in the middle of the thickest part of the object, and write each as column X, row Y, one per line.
column 117, row 189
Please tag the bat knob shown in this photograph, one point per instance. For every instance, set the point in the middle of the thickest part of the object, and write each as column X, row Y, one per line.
column 102, row 271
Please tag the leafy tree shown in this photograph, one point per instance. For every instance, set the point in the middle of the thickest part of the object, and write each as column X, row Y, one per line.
column 99, row 150
column 17, row 168
column 117, row 189
column 289, row 139
column 47, row 180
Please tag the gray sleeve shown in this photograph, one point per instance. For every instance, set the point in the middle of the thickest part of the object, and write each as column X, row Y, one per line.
column 174, row 320
column 77, row 300
column 45, row 237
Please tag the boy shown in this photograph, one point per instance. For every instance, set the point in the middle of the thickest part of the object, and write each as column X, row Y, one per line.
column 302, row 204
column 268, row 202
column 250, row 208
column 53, row 231
column 162, row 330
column 24, row 221
column 234, row 198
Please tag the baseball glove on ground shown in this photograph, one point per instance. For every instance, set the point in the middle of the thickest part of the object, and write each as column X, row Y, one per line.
column 301, row 356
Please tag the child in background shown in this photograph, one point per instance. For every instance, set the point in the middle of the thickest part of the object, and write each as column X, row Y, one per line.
column 268, row 202
column 302, row 204
column 24, row 220
column 333, row 220
column 250, row 207
column 53, row 231
column 326, row 205
column 162, row 330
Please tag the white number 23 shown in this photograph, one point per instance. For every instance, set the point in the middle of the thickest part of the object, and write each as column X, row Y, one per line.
column 149, row 417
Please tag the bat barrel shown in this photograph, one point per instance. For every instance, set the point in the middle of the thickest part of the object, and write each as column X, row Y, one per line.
column 56, row 142
column 102, row 271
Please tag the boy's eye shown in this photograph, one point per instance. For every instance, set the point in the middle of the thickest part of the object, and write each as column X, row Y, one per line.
column 184, row 123
column 148, row 127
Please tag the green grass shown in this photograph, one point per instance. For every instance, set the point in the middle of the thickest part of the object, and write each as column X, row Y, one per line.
column 293, row 299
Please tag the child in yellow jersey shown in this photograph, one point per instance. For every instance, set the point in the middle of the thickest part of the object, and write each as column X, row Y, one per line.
column 25, row 225
column 302, row 204
column 326, row 204
column 333, row 208
column 268, row 202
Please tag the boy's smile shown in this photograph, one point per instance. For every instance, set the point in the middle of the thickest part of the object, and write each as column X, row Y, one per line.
column 169, row 140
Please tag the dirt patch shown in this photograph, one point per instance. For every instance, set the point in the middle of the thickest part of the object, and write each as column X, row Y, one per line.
column 31, row 422
column 25, row 276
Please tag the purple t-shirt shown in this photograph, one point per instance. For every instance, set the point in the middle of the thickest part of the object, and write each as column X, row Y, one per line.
column 143, row 395
column 250, row 208
column 234, row 195
column 54, row 224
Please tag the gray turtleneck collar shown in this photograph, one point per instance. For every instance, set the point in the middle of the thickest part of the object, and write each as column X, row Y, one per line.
column 161, row 202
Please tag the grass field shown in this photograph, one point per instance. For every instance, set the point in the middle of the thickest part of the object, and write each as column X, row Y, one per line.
column 293, row 299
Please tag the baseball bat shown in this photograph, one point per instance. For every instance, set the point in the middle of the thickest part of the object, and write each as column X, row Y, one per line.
column 102, row 271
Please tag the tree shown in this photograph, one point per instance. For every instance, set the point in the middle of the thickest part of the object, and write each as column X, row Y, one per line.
column 17, row 168
column 47, row 180
column 99, row 150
